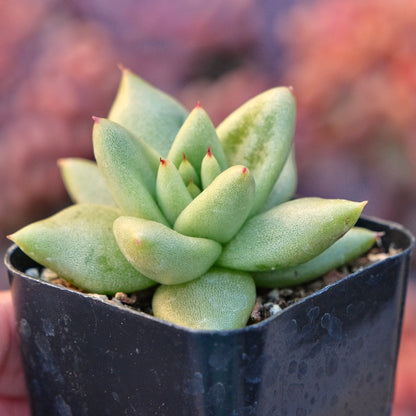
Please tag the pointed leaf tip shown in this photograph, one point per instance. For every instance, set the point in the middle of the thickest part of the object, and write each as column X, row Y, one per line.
column 198, row 104
column 96, row 119
column 244, row 170
column 209, row 153
column 122, row 68
column 162, row 161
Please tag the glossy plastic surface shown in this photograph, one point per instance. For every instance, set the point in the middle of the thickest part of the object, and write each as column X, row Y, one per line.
column 334, row 353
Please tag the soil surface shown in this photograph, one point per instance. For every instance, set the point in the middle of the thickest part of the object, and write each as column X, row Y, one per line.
column 269, row 301
column 272, row 301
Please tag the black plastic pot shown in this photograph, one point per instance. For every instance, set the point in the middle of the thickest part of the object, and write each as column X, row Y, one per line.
column 334, row 353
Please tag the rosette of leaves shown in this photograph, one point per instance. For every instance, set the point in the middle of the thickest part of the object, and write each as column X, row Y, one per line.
column 205, row 213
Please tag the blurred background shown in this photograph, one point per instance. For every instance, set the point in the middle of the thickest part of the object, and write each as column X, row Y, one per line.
column 352, row 65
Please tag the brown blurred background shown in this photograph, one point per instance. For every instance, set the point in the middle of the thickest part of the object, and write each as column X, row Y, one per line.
column 352, row 65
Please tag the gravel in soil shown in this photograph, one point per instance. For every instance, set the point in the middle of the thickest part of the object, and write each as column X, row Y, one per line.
column 269, row 302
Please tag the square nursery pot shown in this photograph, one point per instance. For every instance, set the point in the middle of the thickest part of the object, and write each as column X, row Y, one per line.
column 333, row 353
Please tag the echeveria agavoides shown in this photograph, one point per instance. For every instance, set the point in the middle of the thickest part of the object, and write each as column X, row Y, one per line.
column 203, row 213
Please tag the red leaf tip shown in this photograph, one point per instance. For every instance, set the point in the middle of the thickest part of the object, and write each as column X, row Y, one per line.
column 137, row 241
column 96, row 119
column 183, row 156
column 198, row 104
column 122, row 68
column 244, row 170
column 209, row 153
column 163, row 161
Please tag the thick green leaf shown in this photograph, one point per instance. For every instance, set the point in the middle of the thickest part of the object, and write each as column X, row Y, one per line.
column 84, row 182
column 193, row 189
column 290, row 234
column 127, row 169
column 285, row 187
column 171, row 192
column 193, row 139
column 162, row 254
column 188, row 172
column 220, row 210
column 219, row 300
column 147, row 112
column 78, row 244
column 210, row 169
column 353, row 244
column 259, row 135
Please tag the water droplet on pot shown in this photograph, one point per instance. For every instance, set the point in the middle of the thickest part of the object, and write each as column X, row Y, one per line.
column 64, row 322
column 291, row 327
column 332, row 324
column 24, row 329
column 48, row 327
column 47, row 358
column 292, row 367
column 254, row 370
column 313, row 313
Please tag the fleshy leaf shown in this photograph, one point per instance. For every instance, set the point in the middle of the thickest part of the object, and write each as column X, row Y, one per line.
column 193, row 189
column 285, row 187
column 162, row 254
column 188, row 172
column 124, row 163
column 220, row 210
column 84, row 182
column 172, row 194
column 210, row 169
column 259, row 135
column 353, row 244
column 290, row 234
column 194, row 138
column 218, row 300
column 147, row 112
column 78, row 244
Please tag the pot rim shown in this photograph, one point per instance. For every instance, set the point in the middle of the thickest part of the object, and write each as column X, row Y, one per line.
column 250, row 328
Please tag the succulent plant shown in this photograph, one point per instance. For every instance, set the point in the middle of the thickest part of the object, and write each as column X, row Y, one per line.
column 205, row 213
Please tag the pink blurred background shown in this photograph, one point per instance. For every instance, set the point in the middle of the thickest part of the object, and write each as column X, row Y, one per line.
column 352, row 65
